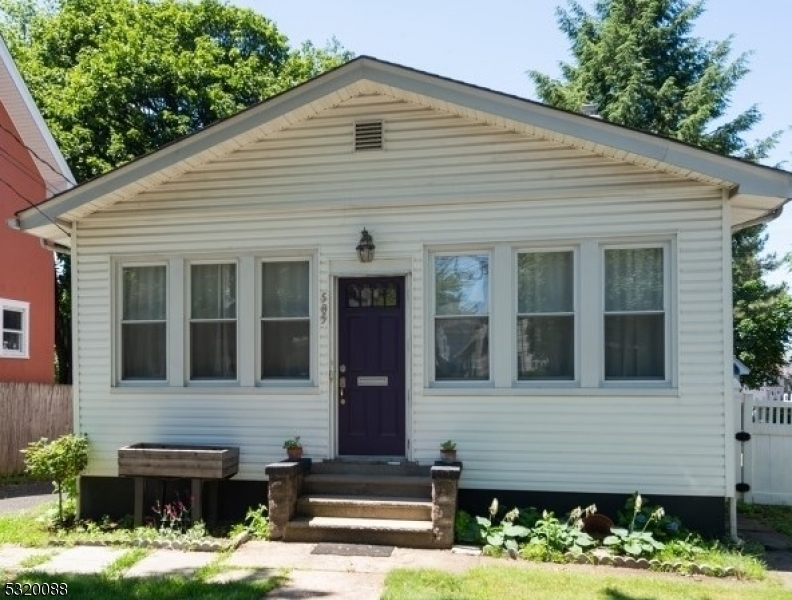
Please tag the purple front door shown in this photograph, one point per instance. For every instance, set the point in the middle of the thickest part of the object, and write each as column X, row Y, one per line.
column 371, row 403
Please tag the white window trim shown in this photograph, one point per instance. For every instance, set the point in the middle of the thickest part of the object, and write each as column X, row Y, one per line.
column 118, row 319
column 24, row 308
column 669, row 311
column 313, row 328
column 514, row 312
column 188, row 264
column 430, row 255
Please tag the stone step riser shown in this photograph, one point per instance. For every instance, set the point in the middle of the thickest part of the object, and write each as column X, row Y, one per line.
column 364, row 511
column 369, row 469
column 406, row 539
column 363, row 488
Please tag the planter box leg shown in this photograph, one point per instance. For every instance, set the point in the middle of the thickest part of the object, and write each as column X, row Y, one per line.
column 197, row 505
column 140, row 486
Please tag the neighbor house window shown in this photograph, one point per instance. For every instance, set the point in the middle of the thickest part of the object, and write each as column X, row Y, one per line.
column 545, row 316
column 635, row 316
column 461, row 317
column 143, row 323
column 213, row 321
column 285, row 320
column 15, row 328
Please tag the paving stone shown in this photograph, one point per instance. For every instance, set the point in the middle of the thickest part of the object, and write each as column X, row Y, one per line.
column 244, row 575
column 82, row 559
column 11, row 557
column 170, row 562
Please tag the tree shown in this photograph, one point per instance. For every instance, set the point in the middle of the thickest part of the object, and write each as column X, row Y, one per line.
column 116, row 79
column 639, row 64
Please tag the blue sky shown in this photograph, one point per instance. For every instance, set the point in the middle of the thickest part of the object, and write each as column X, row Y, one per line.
column 494, row 43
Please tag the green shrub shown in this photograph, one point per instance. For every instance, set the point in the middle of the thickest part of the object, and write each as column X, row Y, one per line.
column 60, row 461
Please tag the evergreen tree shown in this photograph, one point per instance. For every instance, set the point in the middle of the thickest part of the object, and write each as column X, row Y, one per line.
column 639, row 64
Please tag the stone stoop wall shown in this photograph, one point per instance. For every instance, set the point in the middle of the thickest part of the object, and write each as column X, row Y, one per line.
column 445, row 484
column 285, row 485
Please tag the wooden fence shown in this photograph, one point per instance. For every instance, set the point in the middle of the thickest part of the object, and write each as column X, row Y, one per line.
column 29, row 411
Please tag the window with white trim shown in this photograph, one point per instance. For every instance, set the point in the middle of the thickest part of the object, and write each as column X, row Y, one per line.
column 635, row 320
column 285, row 330
column 461, row 315
column 546, row 315
column 213, row 321
column 14, row 328
column 144, row 323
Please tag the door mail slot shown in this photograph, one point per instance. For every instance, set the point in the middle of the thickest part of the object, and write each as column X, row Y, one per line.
column 372, row 381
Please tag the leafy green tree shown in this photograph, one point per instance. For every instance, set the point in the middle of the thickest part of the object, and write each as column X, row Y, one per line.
column 639, row 64
column 116, row 79
column 60, row 461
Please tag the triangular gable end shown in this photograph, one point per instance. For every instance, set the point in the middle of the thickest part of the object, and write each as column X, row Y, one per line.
column 756, row 191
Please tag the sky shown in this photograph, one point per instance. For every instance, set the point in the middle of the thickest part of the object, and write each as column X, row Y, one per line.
column 494, row 43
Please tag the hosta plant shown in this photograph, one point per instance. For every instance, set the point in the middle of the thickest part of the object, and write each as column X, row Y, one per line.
column 632, row 541
column 504, row 535
column 551, row 538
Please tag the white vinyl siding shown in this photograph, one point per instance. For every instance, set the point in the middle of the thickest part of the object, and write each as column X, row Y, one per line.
column 443, row 181
column 14, row 329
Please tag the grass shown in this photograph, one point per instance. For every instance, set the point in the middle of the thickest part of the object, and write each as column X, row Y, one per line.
column 102, row 587
column 777, row 517
column 19, row 479
column 124, row 562
column 23, row 529
column 542, row 583
column 34, row 560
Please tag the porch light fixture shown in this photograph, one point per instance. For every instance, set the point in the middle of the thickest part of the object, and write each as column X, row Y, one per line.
column 365, row 247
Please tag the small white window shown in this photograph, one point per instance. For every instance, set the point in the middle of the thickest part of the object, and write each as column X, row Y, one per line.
column 144, row 323
column 635, row 322
column 213, row 321
column 15, row 328
column 545, row 316
column 285, row 335
column 461, row 317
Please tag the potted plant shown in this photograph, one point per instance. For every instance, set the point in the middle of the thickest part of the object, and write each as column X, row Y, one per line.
column 448, row 451
column 293, row 448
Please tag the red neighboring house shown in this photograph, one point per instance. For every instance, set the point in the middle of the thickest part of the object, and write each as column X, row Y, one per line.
column 31, row 170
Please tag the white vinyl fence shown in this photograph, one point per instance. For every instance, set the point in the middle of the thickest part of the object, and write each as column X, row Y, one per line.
column 765, row 429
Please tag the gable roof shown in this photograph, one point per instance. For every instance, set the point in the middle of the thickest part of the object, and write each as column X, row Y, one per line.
column 33, row 131
column 756, row 192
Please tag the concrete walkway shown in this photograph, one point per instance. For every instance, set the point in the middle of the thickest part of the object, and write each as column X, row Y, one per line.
column 309, row 575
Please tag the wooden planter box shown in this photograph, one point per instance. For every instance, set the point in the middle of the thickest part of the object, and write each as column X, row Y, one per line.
column 175, row 460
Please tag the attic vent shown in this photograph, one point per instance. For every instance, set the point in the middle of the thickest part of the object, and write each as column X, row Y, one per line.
column 368, row 135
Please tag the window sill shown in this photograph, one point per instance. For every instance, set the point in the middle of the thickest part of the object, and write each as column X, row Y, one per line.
column 205, row 390
column 15, row 356
column 665, row 392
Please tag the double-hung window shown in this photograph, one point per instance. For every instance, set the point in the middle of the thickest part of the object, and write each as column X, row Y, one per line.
column 213, row 321
column 144, row 323
column 14, row 328
column 545, row 316
column 635, row 321
column 285, row 320
column 461, row 317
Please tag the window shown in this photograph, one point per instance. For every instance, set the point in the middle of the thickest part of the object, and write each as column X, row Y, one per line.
column 461, row 317
column 635, row 314
column 143, row 323
column 545, row 316
column 213, row 321
column 285, row 320
column 14, row 326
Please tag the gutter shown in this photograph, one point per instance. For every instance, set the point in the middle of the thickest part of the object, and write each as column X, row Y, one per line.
column 54, row 246
column 765, row 218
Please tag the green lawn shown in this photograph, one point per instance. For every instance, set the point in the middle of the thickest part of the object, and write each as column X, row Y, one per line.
column 101, row 587
column 538, row 583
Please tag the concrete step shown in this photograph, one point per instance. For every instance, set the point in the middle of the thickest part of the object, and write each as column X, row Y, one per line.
column 368, row 468
column 332, row 484
column 381, row 507
column 409, row 534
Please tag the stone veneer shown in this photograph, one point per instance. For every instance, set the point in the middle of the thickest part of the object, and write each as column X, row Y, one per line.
column 285, row 484
column 445, row 483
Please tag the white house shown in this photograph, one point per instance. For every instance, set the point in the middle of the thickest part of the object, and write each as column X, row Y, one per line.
column 548, row 290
